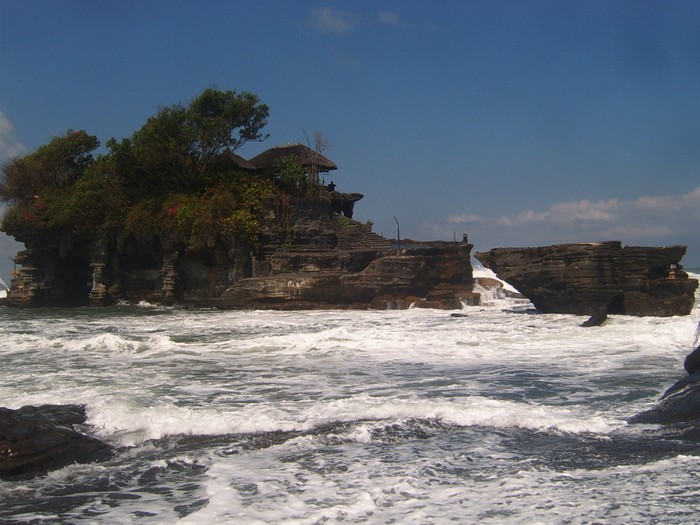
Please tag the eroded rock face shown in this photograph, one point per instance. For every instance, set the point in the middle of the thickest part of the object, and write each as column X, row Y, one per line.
column 309, row 257
column 37, row 439
column 596, row 278
column 439, row 274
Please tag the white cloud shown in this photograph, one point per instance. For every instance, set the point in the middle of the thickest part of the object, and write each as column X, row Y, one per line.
column 390, row 19
column 636, row 231
column 585, row 210
column 465, row 218
column 333, row 21
column 528, row 217
column 650, row 202
column 692, row 199
column 657, row 219
column 9, row 145
column 586, row 213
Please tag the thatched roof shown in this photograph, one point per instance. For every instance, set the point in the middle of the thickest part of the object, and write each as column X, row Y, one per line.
column 304, row 155
column 238, row 162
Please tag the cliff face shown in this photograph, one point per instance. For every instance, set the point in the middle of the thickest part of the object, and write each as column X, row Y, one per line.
column 360, row 278
column 309, row 257
column 590, row 278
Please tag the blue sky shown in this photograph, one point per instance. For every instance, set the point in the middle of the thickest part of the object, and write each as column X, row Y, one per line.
column 520, row 123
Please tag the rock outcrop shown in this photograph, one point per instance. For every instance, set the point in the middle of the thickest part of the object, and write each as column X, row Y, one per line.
column 439, row 276
column 680, row 405
column 311, row 254
column 37, row 439
column 692, row 361
column 597, row 278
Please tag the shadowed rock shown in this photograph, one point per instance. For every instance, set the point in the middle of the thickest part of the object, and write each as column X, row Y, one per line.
column 585, row 278
column 37, row 439
column 308, row 254
column 680, row 404
column 596, row 319
column 692, row 362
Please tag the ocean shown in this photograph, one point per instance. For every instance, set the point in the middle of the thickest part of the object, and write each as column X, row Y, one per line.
column 500, row 416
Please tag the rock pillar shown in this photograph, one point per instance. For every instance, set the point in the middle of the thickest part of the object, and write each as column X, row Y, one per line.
column 98, row 292
column 169, row 277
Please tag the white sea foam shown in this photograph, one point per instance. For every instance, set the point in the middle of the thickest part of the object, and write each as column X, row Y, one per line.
column 403, row 416
column 127, row 424
column 483, row 272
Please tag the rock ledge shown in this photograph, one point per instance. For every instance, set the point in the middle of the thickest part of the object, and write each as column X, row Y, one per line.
column 597, row 278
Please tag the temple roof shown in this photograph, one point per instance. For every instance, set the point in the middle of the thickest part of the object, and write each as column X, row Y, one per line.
column 304, row 155
column 237, row 161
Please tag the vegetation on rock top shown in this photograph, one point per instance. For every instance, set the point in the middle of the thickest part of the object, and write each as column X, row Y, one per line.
column 174, row 179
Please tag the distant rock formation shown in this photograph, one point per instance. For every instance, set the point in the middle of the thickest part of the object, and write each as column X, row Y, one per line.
column 597, row 278
column 37, row 439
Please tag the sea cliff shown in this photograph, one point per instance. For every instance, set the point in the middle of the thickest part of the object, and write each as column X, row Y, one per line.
column 597, row 278
column 309, row 257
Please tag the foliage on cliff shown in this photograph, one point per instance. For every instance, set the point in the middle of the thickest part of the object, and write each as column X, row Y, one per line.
column 173, row 179
column 181, row 148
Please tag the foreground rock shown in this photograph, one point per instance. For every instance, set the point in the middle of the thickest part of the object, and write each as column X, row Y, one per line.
column 692, row 361
column 680, row 404
column 597, row 278
column 37, row 439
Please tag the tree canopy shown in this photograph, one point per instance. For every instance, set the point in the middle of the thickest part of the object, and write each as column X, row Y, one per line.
column 174, row 181
column 55, row 165
column 179, row 147
column 174, row 178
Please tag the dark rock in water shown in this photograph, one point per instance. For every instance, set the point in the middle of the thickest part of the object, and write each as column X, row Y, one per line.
column 586, row 277
column 692, row 362
column 37, row 439
column 679, row 404
column 63, row 415
column 595, row 320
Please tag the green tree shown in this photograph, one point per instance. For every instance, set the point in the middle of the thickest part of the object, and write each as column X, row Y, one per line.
column 177, row 149
column 93, row 205
column 172, row 179
column 55, row 165
column 291, row 175
column 224, row 121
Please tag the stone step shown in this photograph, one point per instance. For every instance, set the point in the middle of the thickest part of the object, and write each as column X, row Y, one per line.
column 358, row 236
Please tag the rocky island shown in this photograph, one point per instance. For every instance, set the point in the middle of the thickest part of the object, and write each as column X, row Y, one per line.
column 597, row 278
column 173, row 216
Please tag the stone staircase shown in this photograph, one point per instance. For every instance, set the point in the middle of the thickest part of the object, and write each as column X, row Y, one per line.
column 357, row 236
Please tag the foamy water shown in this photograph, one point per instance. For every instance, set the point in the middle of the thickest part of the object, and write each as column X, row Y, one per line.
column 501, row 416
